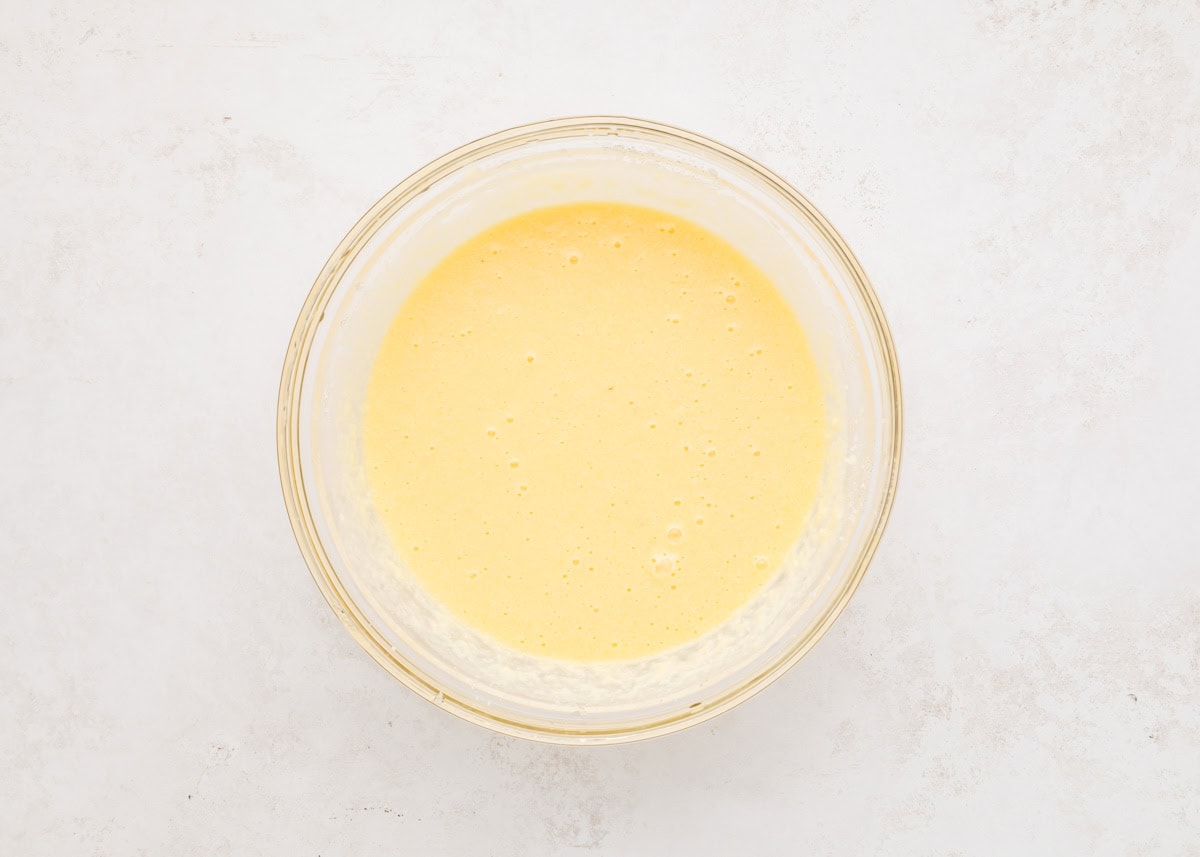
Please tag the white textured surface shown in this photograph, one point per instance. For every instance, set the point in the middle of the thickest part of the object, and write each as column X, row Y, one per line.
column 1020, row 672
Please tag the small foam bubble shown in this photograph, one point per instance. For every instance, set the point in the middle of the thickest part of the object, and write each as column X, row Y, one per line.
column 662, row 564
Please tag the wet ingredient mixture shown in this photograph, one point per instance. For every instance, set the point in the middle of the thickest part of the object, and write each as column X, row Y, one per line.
column 594, row 430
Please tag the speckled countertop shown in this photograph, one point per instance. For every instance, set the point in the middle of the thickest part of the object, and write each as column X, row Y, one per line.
column 1020, row 671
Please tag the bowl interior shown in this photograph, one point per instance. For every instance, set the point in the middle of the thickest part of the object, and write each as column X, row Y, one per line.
column 346, row 318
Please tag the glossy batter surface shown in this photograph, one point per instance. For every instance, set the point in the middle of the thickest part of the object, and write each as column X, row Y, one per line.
column 594, row 430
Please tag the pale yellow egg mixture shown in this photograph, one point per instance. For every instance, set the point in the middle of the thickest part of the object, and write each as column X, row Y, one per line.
column 594, row 430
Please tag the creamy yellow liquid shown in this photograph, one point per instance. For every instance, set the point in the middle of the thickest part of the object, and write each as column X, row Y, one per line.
column 594, row 430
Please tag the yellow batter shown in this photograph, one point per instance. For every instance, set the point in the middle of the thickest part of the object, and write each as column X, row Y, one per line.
column 594, row 430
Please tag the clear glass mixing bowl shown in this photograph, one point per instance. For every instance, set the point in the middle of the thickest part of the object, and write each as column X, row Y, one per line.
column 348, row 311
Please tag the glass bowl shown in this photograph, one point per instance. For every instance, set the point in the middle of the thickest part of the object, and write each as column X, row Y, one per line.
column 349, row 309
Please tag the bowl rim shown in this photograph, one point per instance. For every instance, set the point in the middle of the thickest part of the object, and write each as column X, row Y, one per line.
column 289, row 409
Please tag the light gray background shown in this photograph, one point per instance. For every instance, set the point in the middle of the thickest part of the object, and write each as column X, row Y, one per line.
column 1020, row 671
